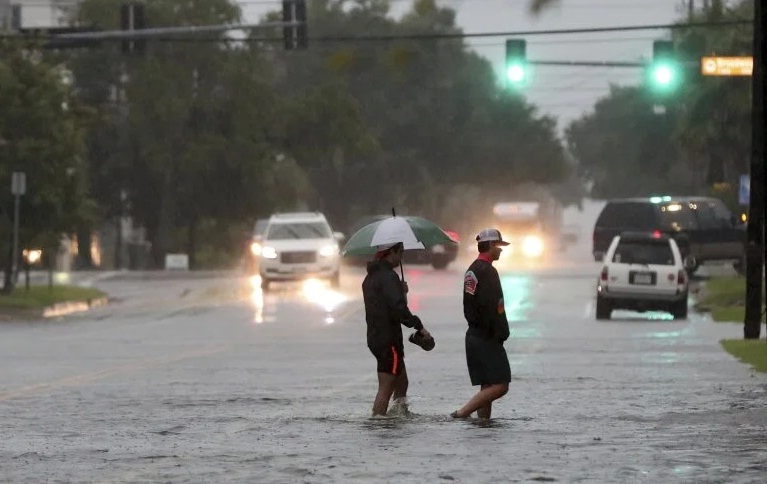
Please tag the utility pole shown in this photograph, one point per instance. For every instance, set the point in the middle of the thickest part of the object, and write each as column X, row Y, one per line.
column 755, row 250
column 18, row 188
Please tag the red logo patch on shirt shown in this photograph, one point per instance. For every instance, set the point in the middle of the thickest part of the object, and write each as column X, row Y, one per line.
column 470, row 282
column 501, row 306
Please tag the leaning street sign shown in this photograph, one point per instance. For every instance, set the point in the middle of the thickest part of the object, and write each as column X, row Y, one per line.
column 727, row 66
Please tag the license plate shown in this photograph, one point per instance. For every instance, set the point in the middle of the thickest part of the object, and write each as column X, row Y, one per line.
column 644, row 279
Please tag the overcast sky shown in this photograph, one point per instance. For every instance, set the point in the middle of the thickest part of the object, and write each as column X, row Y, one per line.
column 564, row 92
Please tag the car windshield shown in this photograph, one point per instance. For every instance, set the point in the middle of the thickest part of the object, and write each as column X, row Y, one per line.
column 517, row 227
column 639, row 252
column 312, row 230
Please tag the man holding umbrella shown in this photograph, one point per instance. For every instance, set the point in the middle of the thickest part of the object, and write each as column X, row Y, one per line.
column 386, row 311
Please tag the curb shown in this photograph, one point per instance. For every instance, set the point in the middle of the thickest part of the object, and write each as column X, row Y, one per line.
column 55, row 310
column 66, row 308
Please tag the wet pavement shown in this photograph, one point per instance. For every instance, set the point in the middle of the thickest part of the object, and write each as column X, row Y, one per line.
column 210, row 380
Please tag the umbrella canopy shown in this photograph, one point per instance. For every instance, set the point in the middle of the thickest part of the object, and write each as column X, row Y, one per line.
column 413, row 232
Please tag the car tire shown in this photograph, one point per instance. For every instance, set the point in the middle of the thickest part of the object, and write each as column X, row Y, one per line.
column 604, row 308
column 265, row 284
column 679, row 311
column 439, row 263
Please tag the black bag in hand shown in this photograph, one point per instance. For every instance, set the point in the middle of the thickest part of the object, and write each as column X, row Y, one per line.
column 425, row 343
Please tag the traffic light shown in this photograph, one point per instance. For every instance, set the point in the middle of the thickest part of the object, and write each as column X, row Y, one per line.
column 133, row 17
column 665, row 73
column 516, row 62
column 296, row 36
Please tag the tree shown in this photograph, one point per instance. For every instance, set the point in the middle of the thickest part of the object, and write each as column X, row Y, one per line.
column 625, row 148
column 435, row 109
column 42, row 135
column 714, row 126
column 196, row 125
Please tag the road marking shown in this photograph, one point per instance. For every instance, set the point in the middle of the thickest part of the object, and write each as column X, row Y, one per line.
column 84, row 378
column 589, row 310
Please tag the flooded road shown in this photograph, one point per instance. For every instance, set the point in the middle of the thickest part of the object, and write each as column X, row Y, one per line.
column 214, row 381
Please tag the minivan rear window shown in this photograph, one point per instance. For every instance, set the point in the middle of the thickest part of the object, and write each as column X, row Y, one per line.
column 678, row 216
column 644, row 252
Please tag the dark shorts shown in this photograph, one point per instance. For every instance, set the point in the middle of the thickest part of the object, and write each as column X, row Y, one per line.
column 390, row 359
column 487, row 361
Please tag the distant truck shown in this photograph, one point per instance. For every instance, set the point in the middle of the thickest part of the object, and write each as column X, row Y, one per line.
column 532, row 227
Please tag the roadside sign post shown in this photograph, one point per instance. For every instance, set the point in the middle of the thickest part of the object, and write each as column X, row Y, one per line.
column 18, row 189
column 744, row 191
column 727, row 66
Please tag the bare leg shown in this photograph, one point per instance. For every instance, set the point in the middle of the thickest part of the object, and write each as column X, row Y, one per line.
column 483, row 399
column 385, row 389
column 484, row 412
column 400, row 384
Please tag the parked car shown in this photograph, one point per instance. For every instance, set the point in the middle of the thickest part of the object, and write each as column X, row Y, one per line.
column 438, row 256
column 297, row 246
column 643, row 272
column 701, row 226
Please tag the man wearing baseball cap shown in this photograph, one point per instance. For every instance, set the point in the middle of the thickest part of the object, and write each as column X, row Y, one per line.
column 484, row 310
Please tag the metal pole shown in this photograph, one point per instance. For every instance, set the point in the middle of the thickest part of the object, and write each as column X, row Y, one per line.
column 755, row 248
column 16, row 214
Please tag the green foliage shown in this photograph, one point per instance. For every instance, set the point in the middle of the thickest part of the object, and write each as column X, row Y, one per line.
column 751, row 352
column 700, row 145
column 435, row 111
column 39, row 297
column 41, row 134
column 202, row 135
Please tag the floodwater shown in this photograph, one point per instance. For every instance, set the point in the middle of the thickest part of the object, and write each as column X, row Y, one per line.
column 175, row 383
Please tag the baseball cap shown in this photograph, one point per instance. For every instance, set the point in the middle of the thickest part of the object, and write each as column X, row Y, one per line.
column 491, row 235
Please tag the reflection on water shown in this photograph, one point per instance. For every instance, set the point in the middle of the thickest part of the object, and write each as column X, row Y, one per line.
column 516, row 294
column 257, row 298
column 318, row 292
column 312, row 290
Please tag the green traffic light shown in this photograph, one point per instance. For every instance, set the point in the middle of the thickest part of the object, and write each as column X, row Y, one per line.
column 516, row 73
column 663, row 75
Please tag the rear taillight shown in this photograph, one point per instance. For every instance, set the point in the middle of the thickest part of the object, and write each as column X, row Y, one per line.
column 681, row 278
column 604, row 274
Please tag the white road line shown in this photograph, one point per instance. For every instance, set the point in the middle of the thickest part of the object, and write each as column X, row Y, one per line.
column 589, row 312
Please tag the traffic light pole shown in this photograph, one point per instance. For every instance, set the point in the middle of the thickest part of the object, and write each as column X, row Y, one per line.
column 755, row 250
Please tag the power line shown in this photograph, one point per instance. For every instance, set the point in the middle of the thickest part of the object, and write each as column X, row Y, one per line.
column 528, row 33
column 173, row 33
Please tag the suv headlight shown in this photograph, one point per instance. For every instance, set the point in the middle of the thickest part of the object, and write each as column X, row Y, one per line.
column 329, row 250
column 268, row 252
column 532, row 246
column 255, row 249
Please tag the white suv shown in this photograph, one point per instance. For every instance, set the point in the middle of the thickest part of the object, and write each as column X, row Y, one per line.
column 643, row 272
column 298, row 246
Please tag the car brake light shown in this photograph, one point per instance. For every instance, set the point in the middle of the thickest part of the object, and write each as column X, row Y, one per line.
column 604, row 273
column 453, row 235
column 656, row 234
column 682, row 277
